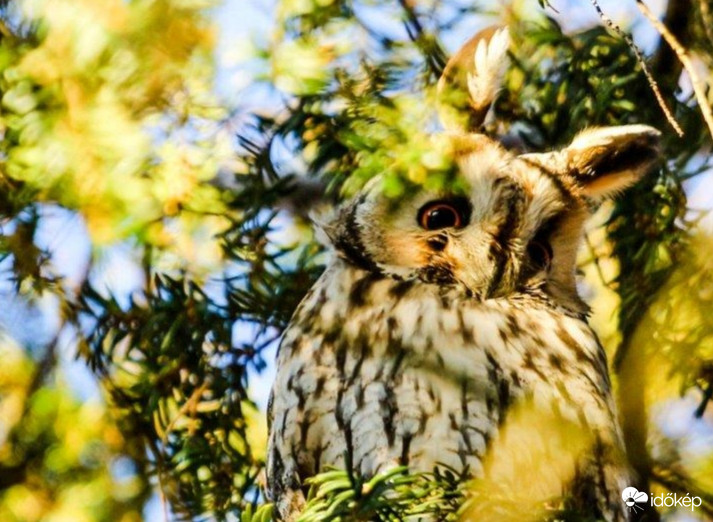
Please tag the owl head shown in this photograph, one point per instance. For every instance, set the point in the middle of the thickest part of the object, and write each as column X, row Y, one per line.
column 511, row 222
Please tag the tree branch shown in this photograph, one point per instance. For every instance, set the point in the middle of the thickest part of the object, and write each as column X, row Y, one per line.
column 707, row 17
column 664, row 64
column 639, row 56
column 699, row 88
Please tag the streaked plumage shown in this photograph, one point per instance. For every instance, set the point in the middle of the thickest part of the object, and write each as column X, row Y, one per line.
column 416, row 342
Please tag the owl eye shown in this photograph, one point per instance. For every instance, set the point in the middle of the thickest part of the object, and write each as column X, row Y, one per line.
column 540, row 253
column 443, row 214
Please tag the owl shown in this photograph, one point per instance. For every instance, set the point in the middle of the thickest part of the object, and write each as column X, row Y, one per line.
column 441, row 315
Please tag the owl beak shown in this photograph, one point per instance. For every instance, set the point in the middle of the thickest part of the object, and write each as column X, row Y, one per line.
column 438, row 243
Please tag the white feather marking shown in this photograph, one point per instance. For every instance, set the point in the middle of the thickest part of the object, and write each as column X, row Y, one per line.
column 490, row 62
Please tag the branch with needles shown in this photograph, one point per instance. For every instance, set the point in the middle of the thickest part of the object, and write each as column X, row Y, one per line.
column 640, row 57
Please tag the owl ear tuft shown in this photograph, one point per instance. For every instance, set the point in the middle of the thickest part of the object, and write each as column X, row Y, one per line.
column 472, row 79
column 605, row 161
column 601, row 162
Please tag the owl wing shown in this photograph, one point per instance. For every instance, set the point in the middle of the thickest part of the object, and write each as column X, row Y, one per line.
column 284, row 481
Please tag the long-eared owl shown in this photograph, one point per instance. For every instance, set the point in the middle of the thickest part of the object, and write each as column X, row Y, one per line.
column 441, row 314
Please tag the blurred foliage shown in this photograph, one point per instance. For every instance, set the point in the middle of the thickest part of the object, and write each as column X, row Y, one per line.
column 109, row 110
column 61, row 459
column 680, row 336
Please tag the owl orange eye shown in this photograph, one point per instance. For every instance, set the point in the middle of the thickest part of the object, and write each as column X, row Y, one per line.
column 443, row 214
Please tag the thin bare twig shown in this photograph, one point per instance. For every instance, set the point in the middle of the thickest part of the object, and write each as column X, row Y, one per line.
column 640, row 57
column 707, row 396
column 699, row 88
column 5, row 30
column 185, row 408
column 664, row 64
column 594, row 259
column 707, row 19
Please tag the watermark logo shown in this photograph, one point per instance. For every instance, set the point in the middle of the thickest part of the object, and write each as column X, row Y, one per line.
column 635, row 500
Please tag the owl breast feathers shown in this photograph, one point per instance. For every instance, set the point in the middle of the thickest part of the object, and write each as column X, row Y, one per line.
column 444, row 318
